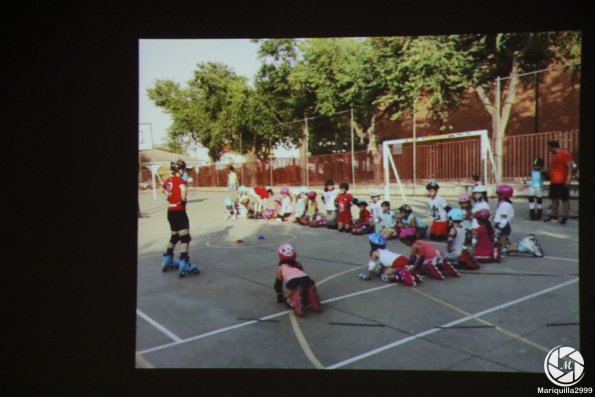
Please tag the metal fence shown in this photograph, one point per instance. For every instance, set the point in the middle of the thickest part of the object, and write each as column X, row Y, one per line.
column 446, row 160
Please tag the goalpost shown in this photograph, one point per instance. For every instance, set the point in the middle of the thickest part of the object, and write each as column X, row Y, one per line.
column 387, row 158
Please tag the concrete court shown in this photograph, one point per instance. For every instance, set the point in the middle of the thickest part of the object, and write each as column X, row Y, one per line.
column 504, row 317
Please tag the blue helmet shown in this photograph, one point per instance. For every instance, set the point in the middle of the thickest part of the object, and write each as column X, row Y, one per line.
column 227, row 202
column 377, row 239
column 456, row 214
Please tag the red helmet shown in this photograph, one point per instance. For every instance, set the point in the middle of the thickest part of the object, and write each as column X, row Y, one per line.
column 482, row 214
column 312, row 194
column 463, row 198
column 504, row 191
column 286, row 252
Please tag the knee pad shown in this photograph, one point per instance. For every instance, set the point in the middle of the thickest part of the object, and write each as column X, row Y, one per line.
column 531, row 199
column 185, row 239
column 174, row 239
column 539, row 200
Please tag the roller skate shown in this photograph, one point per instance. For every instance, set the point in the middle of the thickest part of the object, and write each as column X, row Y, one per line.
column 406, row 277
column 364, row 276
column 467, row 261
column 530, row 245
column 447, row 268
column 312, row 295
column 431, row 270
column 187, row 268
column 295, row 301
column 169, row 263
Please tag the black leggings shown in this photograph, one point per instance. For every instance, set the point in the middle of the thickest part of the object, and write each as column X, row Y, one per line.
column 303, row 282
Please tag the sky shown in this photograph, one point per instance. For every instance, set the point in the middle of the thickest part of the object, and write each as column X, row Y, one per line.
column 176, row 60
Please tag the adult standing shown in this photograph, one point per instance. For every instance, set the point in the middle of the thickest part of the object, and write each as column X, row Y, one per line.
column 232, row 181
column 560, row 174
column 259, row 194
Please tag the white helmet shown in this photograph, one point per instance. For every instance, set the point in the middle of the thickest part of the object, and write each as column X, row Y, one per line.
column 479, row 189
column 374, row 193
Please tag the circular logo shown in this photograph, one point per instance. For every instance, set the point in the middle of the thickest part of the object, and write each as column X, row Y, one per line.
column 564, row 366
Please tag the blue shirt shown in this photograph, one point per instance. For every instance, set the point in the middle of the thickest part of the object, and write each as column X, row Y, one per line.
column 536, row 179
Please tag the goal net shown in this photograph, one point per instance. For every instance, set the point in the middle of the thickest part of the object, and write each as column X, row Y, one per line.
column 455, row 156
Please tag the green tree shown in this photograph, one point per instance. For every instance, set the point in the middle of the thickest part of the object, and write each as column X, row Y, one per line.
column 203, row 111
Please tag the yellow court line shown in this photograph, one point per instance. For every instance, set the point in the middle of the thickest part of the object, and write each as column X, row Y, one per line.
column 142, row 362
column 303, row 343
column 485, row 322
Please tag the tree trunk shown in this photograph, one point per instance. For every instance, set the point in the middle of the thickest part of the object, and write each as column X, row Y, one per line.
column 373, row 150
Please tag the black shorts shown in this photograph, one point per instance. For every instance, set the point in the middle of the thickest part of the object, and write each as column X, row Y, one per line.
column 178, row 220
column 559, row 191
column 298, row 282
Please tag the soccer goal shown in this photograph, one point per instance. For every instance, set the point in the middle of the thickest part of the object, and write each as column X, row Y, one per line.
column 388, row 147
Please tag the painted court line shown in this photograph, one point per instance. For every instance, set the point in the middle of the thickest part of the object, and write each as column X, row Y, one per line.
column 450, row 324
column 232, row 327
column 158, row 326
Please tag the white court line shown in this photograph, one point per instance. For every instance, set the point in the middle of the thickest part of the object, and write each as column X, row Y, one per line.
column 450, row 324
column 158, row 326
column 232, row 327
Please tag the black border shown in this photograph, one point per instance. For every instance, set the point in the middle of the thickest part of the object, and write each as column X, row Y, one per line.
column 77, row 332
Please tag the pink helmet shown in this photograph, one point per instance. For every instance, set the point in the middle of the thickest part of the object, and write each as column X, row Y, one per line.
column 284, row 190
column 504, row 191
column 482, row 214
column 464, row 197
column 312, row 194
column 406, row 232
column 286, row 252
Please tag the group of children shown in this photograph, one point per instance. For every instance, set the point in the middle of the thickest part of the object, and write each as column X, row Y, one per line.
column 470, row 224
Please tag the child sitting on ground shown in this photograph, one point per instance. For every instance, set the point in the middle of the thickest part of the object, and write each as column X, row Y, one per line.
column 300, row 205
column 387, row 221
column 407, row 219
column 290, row 276
column 363, row 224
column 313, row 218
column 388, row 265
column 428, row 258
column 484, row 249
column 456, row 254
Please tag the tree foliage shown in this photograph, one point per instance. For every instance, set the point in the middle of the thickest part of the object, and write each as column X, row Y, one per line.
column 376, row 77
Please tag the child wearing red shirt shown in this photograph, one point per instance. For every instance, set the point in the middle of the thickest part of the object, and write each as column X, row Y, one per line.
column 343, row 202
column 363, row 224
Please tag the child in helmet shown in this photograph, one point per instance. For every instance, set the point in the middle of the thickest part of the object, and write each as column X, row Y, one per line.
column 484, row 249
column 467, row 222
column 427, row 257
column 456, row 253
column 329, row 198
column 175, row 191
column 536, row 190
column 375, row 206
column 479, row 202
column 343, row 204
column 503, row 216
column 388, row 265
column 363, row 224
column 284, row 209
column 407, row 219
column 230, row 209
column 290, row 276
column 387, row 221
column 300, row 204
column 438, row 211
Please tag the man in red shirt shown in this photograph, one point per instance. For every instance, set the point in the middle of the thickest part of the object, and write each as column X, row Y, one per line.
column 560, row 174
column 175, row 191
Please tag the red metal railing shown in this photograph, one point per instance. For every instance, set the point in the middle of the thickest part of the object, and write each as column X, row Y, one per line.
column 440, row 160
